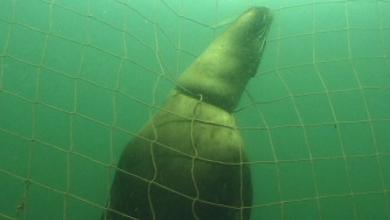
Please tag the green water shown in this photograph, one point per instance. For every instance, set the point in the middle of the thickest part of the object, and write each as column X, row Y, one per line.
column 78, row 79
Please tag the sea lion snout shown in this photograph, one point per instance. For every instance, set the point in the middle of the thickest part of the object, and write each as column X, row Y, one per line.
column 252, row 24
column 259, row 16
column 220, row 74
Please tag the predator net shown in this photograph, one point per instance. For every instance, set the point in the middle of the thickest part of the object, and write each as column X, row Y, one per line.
column 78, row 79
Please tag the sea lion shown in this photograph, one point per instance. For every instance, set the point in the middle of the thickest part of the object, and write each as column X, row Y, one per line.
column 188, row 162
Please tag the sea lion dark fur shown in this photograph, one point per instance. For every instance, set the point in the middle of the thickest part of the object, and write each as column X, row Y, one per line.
column 188, row 162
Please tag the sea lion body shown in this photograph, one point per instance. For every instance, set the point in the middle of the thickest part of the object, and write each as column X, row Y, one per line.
column 189, row 161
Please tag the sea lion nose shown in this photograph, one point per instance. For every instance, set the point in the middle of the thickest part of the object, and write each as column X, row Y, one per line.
column 257, row 20
column 222, row 71
column 259, row 13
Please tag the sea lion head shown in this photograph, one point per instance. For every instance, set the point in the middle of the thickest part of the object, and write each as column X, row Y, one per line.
column 219, row 75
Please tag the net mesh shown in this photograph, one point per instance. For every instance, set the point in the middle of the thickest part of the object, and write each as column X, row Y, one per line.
column 78, row 79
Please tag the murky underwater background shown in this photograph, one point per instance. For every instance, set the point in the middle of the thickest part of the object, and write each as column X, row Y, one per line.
column 79, row 78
